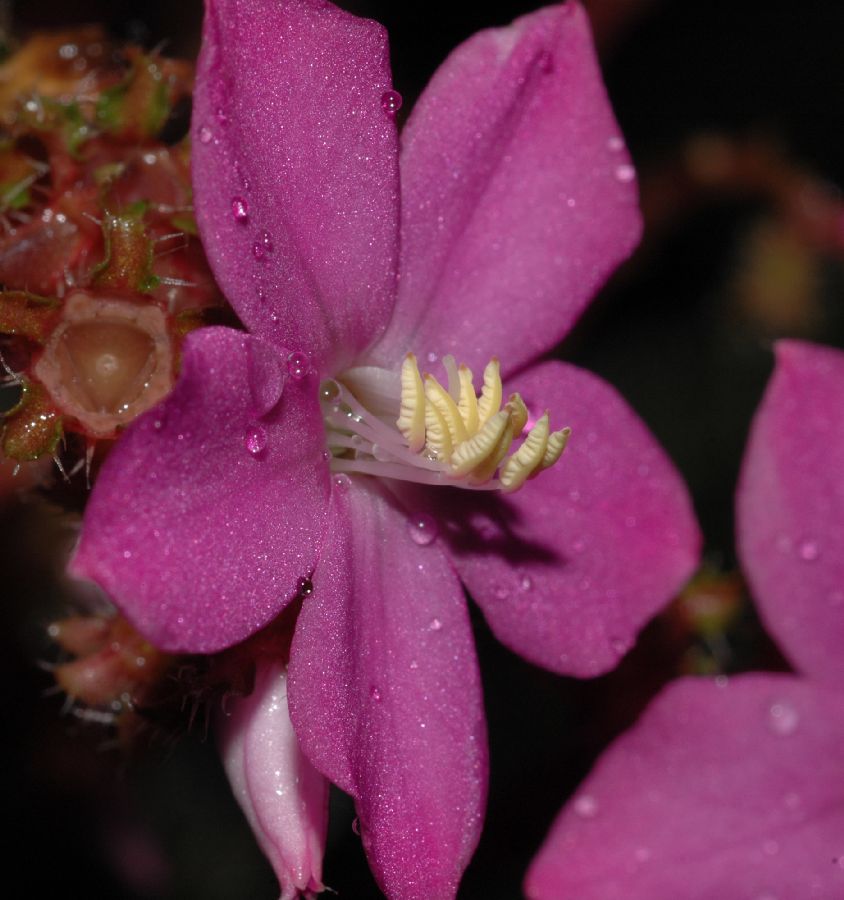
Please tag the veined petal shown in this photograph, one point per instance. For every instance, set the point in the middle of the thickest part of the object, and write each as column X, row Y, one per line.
column 790, row 508
column 718, row 792
column 569, row 568
column 385, row 695
column 283, row 797
column 518, row 197
column 296, row 174
column 212, row 507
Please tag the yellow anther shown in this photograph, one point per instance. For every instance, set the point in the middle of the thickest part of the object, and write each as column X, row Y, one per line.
column 528, row 457
column 518, row 413
column 486, row 469
column 557, row 441
column 438, row 397
column 411, row 421
column 472, row 453
column 438, row 440
column 468, row 403
column 491, row 392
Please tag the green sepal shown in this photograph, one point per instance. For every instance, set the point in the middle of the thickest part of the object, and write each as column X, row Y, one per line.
column 33, row 428
column 128, row 260
column 28, row 315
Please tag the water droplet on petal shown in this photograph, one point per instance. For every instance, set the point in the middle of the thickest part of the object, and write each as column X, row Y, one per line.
column 414, row 664
column 205, row 135
column 586, row 806
column 341, row 481
column 326, row 456
column 329, row 391
column 222, row 118
column 305, row 587
column 783, row 718
column 267, row 241
column 435, row 625
column 501, row 592
column 375, row 693
column 259, row 251
column 256, row 440
column 526, row 583
column 391, row 102
column 625, row 173
column 423, row 529
column 619, row 645
column 615, row 143
column 721, row 681
column 809, row 551
column 158, row 424
column 432, row 357
column 240, row 210
column 298, row 364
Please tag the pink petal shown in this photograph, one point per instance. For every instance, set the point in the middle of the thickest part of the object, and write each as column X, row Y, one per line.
column 718, row 793
column 518, row 197
column 295, row 162
column 385, row 695
column 212, row 507
column 569, row 568
column 790, row 508
column 284, row 798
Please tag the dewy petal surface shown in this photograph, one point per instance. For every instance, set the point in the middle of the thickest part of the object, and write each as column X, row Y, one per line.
column 569, row 568
column 385, row 694
column 790, row 508
column 296, row 172
column 213, row 505
column 283, row 797
column 518, row 197
column 733, row 791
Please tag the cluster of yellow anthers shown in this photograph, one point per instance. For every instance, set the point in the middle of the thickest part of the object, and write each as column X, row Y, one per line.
column 472, row 434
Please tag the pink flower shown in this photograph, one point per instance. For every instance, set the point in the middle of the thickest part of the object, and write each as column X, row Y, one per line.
column 735, row 789
column 285, row 800
column 278, row 466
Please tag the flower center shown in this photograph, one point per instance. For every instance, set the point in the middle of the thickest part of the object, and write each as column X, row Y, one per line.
column 413, row 428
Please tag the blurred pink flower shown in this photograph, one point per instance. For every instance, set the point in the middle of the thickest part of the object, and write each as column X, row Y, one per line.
column 511, row 200
column 735, row 788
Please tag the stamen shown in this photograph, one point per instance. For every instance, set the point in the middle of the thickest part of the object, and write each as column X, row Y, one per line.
column 441, row 436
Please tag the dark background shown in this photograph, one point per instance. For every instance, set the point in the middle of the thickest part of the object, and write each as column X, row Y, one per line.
column 681, row 331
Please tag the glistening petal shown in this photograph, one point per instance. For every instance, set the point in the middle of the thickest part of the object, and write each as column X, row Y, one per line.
column 732, row 791
column 568, row 568
column 283, row 797
column 295, row 172
column 385, row 695
column 518, row 197
column 212, row 506
column 790, row 507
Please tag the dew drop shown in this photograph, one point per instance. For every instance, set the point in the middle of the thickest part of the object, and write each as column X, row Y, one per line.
column 501, row 592
column 267, row 242
column 329, row 391
column 435, row 625
column 240, row 210
column 375, row 693
column 625, row 173
column 586, row 806
column 783, row 718
column 205, row 135
column 326, row 456
column 341, row 481
column 619, row 645
column 305, row 587
column 432, row 357
column 391, row 102
column 256, row 440
column 615, row 143
column 222, row 118
column 414, row 664
column 809, row 551
column 158, row 424
column 423, row 529
column 526, row 583
column 259, row 251
column 721, row 681
column 298, row 364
